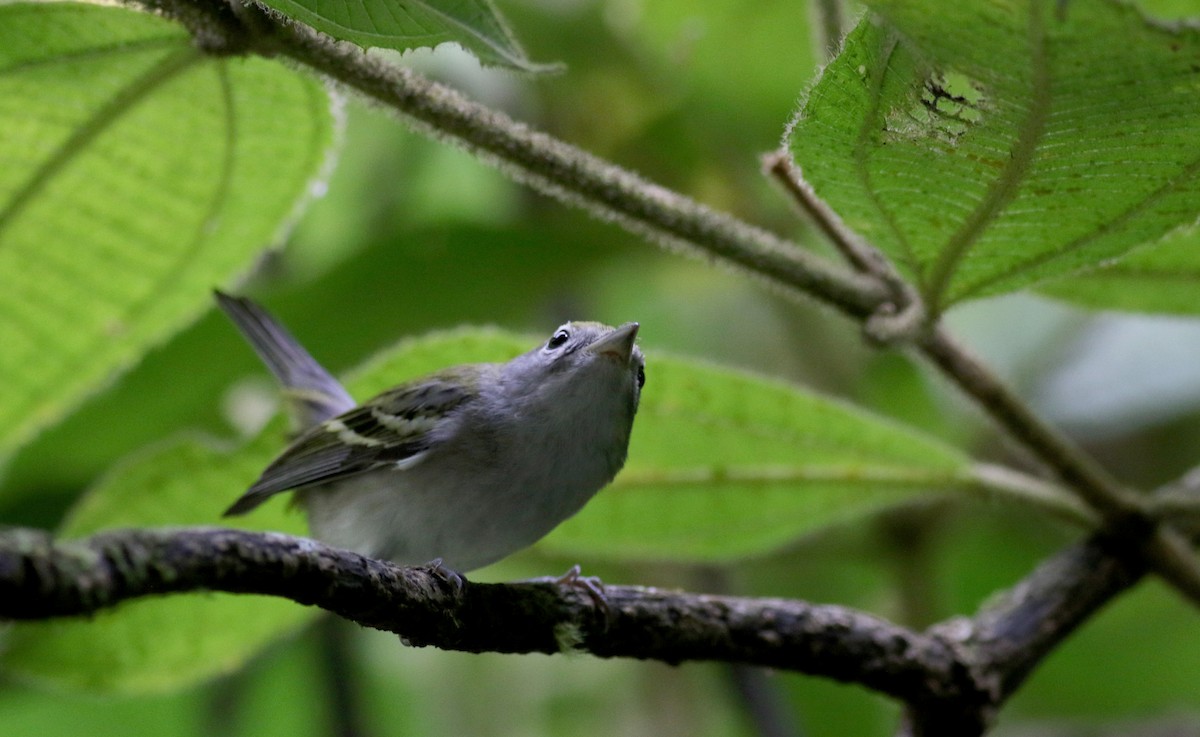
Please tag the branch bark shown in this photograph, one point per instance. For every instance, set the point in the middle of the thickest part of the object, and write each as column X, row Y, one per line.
column 953, row 677
column 1006, row 640
column 41, row 578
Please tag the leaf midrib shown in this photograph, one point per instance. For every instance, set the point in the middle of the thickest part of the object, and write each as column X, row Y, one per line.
column 844, row 473
column 104, row 118
column 1004, row 188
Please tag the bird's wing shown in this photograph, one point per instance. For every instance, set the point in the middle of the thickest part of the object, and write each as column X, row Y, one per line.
column 394, row 430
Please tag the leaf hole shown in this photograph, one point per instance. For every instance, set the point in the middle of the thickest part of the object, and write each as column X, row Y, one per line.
column 946, row 106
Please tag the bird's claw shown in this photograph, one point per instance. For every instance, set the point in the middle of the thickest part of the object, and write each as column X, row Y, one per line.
column 454, row 578
column 590, row 585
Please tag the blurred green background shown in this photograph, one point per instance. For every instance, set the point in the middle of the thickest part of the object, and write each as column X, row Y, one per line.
column 414, row 235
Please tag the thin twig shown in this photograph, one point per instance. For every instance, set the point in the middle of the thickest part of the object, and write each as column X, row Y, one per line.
column 903, row 316
column 828, row 26
column 1125, row 513
column 854, row 249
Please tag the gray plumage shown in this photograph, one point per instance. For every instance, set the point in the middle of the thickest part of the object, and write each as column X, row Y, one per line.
column 312, row 393
column 468, row 464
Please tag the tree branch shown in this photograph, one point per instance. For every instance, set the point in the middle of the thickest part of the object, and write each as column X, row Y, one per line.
column 953, row 677
column 41, row 578
column 1003, row 643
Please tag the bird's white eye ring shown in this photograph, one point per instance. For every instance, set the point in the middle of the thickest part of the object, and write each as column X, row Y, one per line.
column 558, row 339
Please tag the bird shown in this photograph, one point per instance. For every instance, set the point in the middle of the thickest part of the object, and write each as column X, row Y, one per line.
column 459, row 468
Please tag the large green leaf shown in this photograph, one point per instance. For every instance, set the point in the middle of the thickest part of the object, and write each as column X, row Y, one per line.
column 724, row 464
column 411, row 24
column 135, row 173
column 988, row 145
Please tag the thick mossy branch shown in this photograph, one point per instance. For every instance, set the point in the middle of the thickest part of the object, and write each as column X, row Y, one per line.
column 953, row 677
column 530, row 156
column 41, row 578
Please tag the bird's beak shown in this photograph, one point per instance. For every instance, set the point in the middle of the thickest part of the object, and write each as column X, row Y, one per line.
column 618, row 343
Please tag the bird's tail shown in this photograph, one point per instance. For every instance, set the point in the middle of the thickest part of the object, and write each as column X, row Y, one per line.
column 313, row 395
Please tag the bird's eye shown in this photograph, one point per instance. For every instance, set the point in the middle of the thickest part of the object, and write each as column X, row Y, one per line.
column 641, row 376
column 558, row 339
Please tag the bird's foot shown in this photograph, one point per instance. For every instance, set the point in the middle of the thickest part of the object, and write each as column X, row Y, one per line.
column 454, row 578
column 590, row 585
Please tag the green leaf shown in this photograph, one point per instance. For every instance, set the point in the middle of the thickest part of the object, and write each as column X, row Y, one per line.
column 135, row 173
column 1164, row 277
column 164, row 644
column 985, row 146
column 725, row 465
column 475, row 25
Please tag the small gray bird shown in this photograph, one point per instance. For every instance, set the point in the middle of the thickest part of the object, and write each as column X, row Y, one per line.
column 464, row 466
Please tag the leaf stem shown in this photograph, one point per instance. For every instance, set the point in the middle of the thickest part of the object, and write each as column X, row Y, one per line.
column 1022, row 487
column 899, row 319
